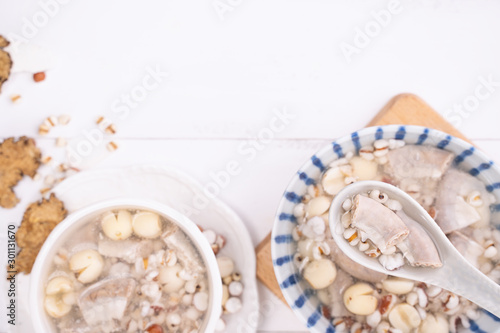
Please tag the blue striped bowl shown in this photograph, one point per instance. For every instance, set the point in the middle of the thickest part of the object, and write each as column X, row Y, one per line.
column 301, row 298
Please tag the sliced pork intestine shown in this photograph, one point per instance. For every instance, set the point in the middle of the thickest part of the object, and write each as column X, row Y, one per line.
column 176, row 240
column 418, row 248
column 417, row 162
column 105, row 301
column 380, row 224
column 418, row 166
column 128, row 250
column 453, row 212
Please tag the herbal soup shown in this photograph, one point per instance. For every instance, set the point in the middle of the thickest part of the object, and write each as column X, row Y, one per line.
column 357, row 299
column 127, row 271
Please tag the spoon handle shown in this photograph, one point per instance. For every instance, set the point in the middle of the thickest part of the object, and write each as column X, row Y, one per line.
column 459, row 276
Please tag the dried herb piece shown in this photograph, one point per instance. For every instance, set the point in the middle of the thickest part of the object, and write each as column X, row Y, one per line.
column 39, row 219
column 17, row 158
column 5, row 61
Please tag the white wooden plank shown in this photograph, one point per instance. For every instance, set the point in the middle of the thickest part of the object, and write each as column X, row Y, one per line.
column 227, row 76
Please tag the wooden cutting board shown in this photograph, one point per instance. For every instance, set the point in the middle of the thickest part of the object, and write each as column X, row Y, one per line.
column 404, row 109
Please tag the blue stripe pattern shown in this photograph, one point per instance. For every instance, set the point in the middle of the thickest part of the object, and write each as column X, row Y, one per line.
column 492, row 187
column 423, row 137
column 283, row 260
column 379, row 134
column 290, row 281
column 303, row 176
column 330, row 329
column 313, row 319
column 288, row 217
column 299, row 302
column 461, row 157
column 355, row 140
column 481, row 167
column 444, row 143
column 401, row 133
column 283, row 239
column 495, row 208
column 475, row 328
column 293, row 197
column 337, row 149
column 317, row 162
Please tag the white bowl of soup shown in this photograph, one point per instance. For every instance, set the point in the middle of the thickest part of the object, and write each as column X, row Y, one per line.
column 126, row 265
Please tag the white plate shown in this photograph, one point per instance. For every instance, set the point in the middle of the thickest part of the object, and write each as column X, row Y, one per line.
column 178, row 190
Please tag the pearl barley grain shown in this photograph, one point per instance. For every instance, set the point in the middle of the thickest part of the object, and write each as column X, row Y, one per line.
column 61, row 142
column 200, row 301
column 173, row 320
column 235, row 288
column 64, row 119
column 226, row 266
column 233, row 305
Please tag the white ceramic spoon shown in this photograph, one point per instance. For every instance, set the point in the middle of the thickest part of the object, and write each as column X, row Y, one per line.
column 456, row 275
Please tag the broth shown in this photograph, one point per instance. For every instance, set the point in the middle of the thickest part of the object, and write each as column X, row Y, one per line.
column 127, row 271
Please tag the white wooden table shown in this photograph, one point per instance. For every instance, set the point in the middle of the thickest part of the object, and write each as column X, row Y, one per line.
column 232, row 65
